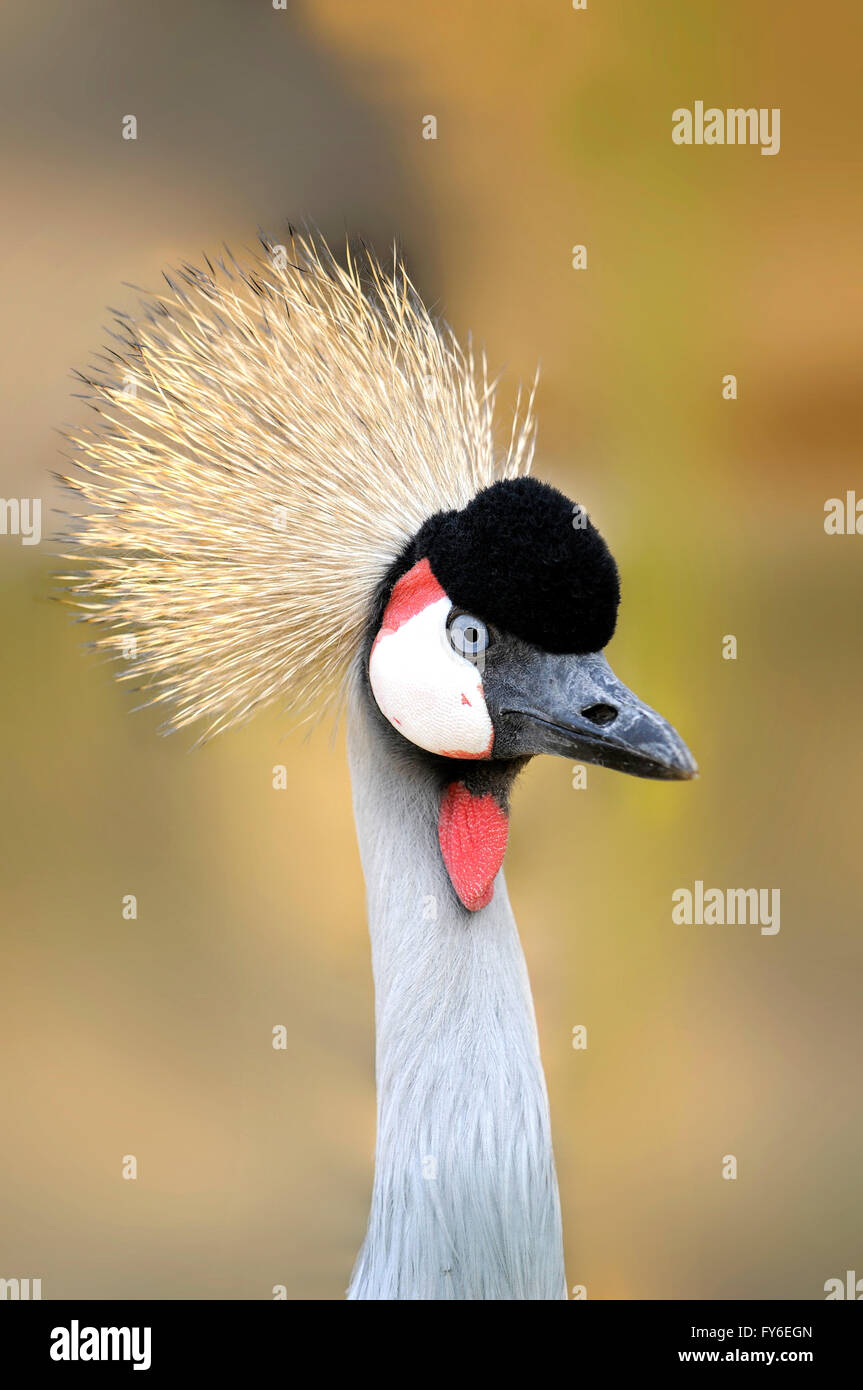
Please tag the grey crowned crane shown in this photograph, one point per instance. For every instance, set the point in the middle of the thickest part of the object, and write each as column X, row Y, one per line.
column 293, row 493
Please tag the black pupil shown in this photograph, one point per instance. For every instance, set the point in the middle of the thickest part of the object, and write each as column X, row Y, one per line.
column 468, row 635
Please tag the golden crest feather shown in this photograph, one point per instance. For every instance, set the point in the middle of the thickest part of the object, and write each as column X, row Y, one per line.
column 270, row 437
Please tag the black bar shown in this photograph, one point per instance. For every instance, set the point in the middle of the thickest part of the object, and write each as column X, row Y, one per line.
column 231, row 1338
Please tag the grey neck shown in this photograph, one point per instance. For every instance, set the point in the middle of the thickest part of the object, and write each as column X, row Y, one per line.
column 465, row 1202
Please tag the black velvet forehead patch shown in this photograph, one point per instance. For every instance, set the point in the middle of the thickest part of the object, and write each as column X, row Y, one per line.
column 524, row 558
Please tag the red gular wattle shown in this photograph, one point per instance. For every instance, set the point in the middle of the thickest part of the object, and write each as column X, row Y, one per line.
column 472, row 831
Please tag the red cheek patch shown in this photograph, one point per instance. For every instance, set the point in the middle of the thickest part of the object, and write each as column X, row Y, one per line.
column 413, row 592
column 472, row 831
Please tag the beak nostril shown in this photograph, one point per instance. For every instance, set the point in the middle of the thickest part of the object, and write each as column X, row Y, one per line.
column 600, row 714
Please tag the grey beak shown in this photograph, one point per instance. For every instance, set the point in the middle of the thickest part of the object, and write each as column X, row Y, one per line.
column 576, row 707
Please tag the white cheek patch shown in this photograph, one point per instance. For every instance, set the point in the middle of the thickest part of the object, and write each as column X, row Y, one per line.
column 433, row 696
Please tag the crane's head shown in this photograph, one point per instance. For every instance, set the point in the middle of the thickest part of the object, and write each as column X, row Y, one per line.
column 487, row 647
column 293, row 473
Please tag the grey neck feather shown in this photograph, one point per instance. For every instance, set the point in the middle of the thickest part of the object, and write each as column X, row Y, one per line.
column 465, row 1202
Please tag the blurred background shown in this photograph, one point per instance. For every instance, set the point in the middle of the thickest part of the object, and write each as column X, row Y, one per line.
column 153, row 1037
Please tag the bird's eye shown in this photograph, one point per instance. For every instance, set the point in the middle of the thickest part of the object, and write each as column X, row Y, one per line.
column 467, row 635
